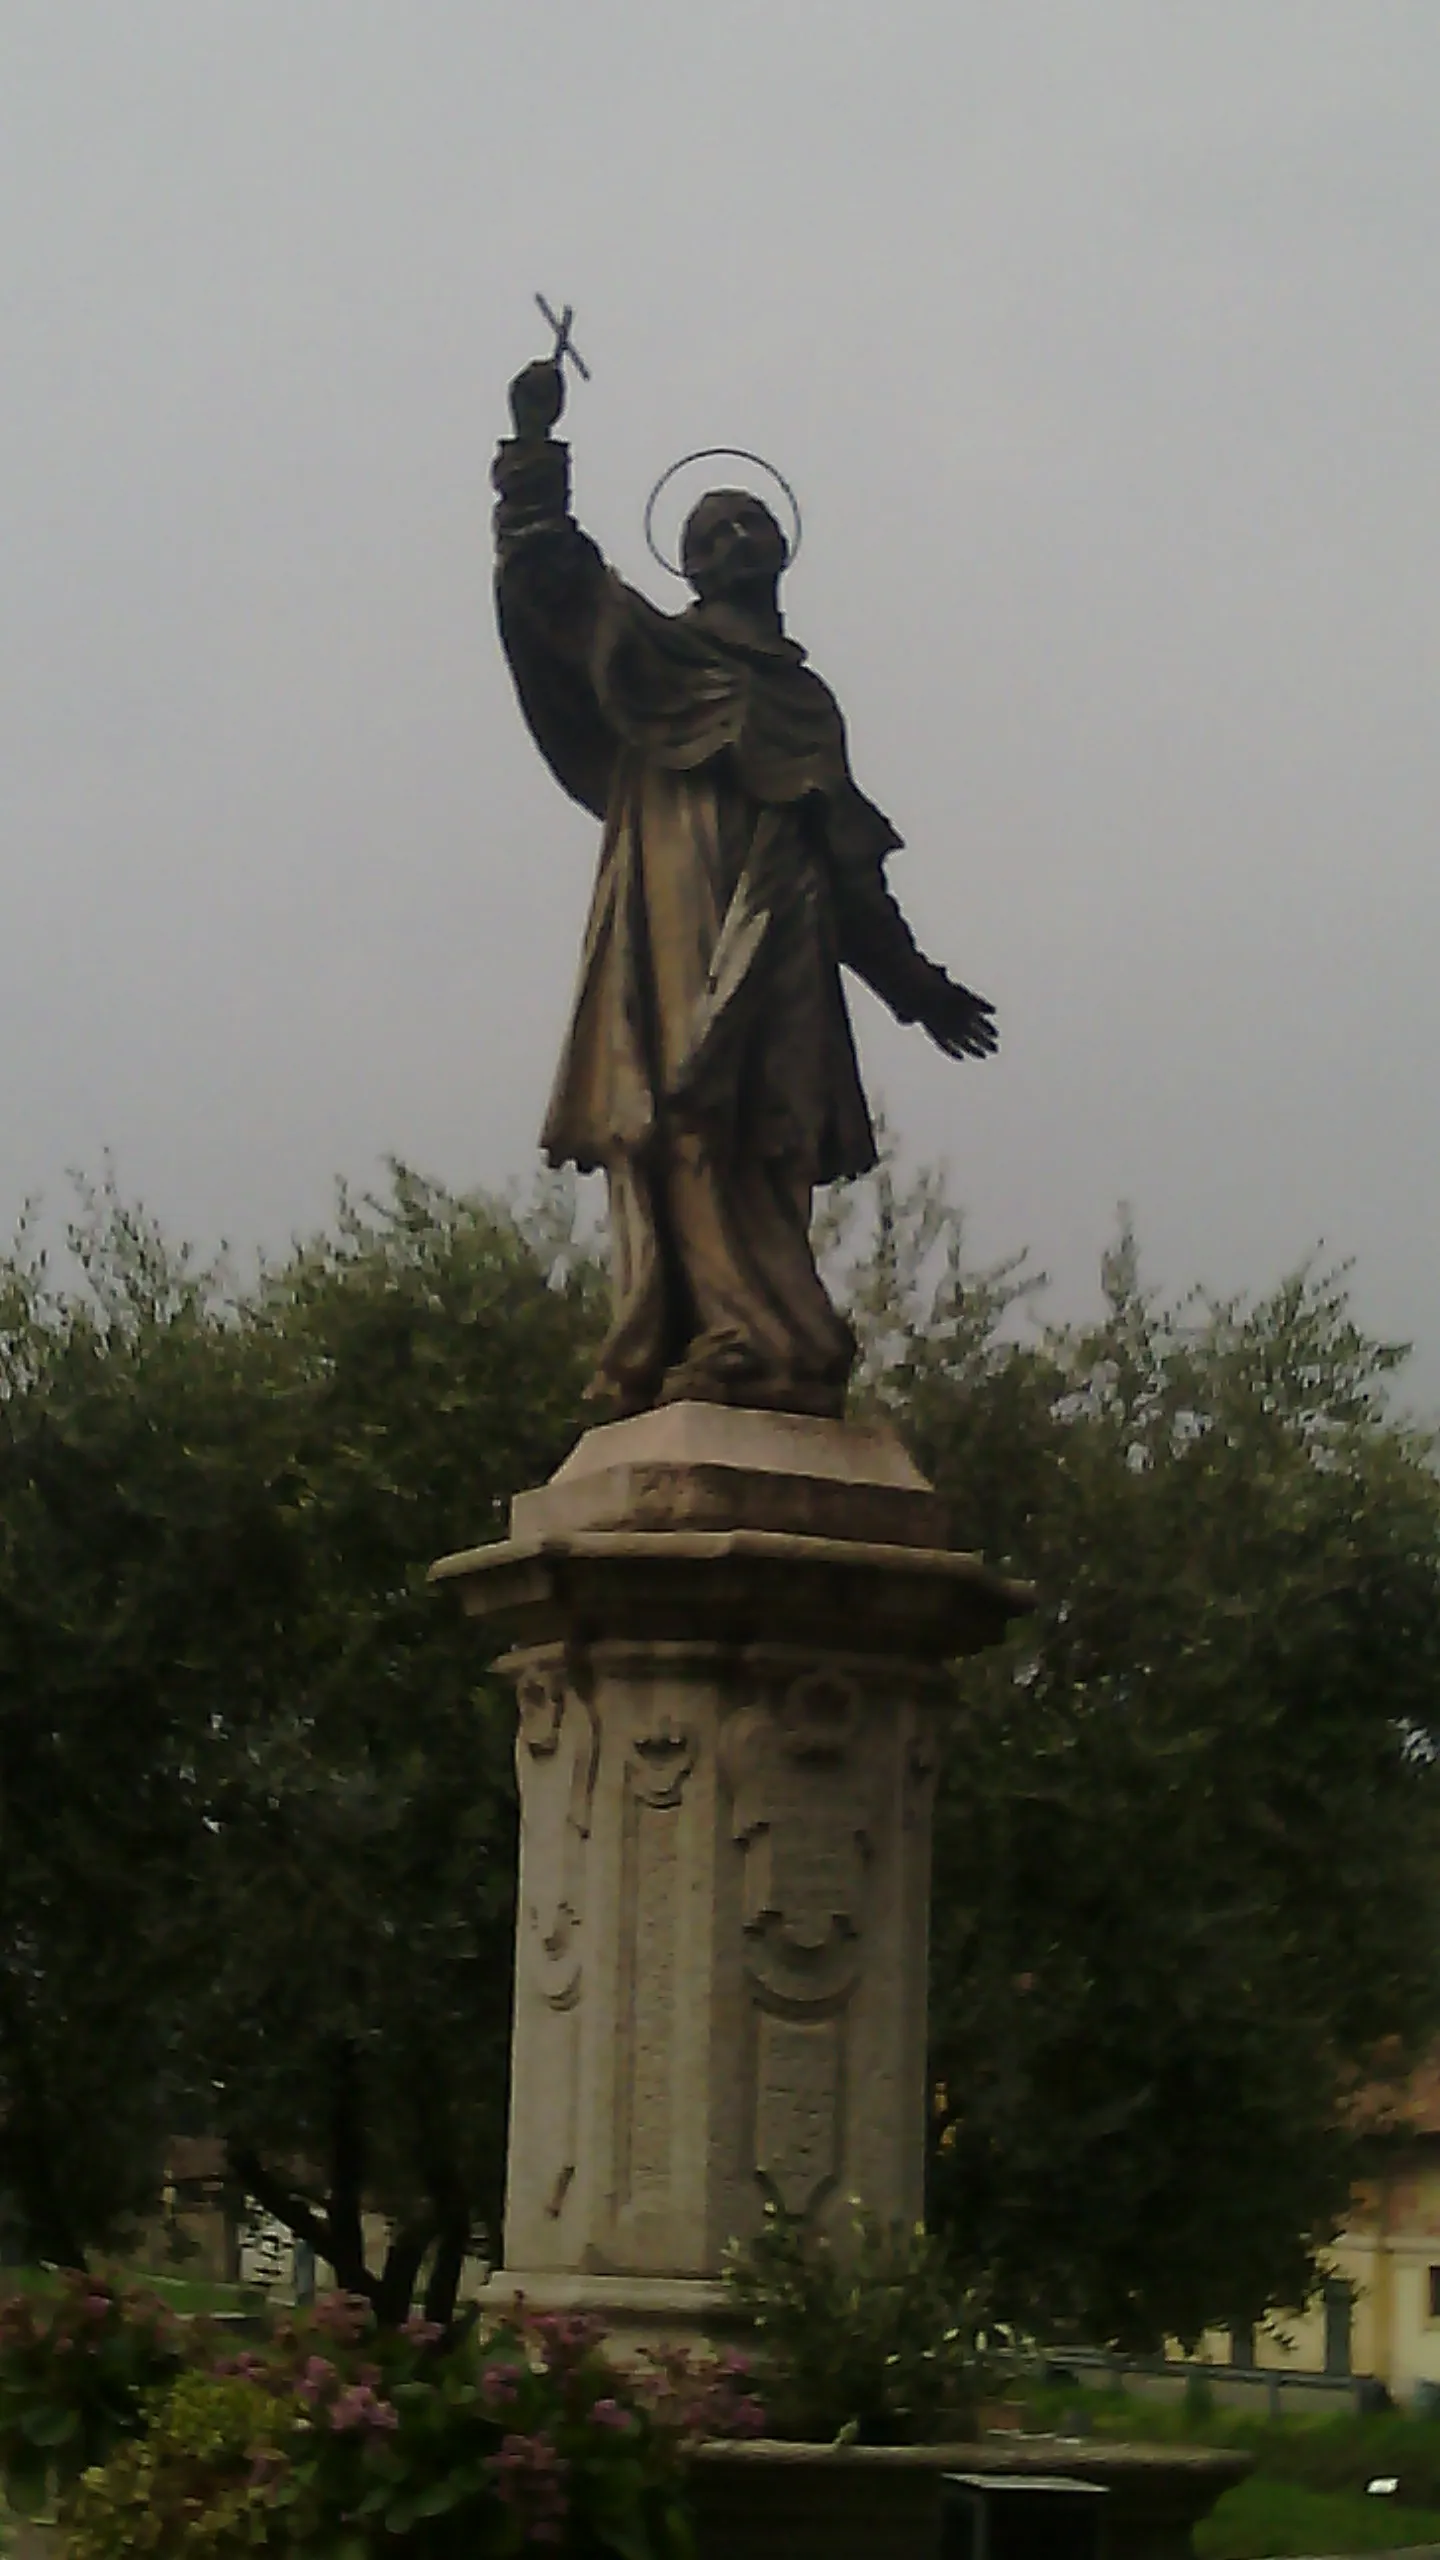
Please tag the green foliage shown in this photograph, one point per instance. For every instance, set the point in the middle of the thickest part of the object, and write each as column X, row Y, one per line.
column 141, row 1542
column 1187, row 1856
column 256, row 1810
column 356, row 1894
column 199, row 2483
column 868, row 2338
column 333, row 2437
column 77, row 2366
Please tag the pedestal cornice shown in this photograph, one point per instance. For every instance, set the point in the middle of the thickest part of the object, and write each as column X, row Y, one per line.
column 741, row 1586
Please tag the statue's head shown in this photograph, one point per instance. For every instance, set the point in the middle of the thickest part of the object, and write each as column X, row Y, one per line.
column 732, row 546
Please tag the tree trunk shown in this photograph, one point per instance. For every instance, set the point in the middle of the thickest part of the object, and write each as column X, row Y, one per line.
column 346, row 2214
column 304, row 2220
column 444, row 2284
column 446, row 2189
column 28, row 2153
column 336, row 2231
column 395, row 2289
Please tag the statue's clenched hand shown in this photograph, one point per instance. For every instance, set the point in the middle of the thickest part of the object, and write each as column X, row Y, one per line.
column 537, row 397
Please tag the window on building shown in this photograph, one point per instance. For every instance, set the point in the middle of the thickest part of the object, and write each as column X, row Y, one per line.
column 1434, row 2277
column 1338, row 2297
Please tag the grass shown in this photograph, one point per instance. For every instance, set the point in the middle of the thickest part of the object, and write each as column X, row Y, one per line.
column 194, row 2294
column 1308, row 2490
column 183, row 2293
column 1335, row 2453
column 1275, row 2519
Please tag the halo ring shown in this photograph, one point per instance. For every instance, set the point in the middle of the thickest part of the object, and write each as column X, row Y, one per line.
column 717, row 453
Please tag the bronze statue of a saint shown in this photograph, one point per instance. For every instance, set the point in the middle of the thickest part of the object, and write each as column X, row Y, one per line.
column 710, row 1067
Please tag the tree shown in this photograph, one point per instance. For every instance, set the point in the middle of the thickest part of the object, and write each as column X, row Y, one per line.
column 140, row 1561
column 1187, row 1850
column 358, row 1892
column 256, row 1805
column 257, row 1814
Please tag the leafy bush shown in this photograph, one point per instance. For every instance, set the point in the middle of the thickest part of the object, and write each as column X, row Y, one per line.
column 200, row 2482
column 77, row 2366
column 331, row 2435
column 871, row 2339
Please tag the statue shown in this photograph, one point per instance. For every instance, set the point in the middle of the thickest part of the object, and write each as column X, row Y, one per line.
column 710, row 1068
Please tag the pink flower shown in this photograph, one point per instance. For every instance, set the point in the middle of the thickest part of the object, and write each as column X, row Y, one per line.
column 499, row 2385
column 608, row 2413
column 359, row 2407
column 342, row 2316
column 319, row 2371
column 694, row 2397
column 420, row 2331
column 530, row 2477
column 246, row 2367
column 566, row 2337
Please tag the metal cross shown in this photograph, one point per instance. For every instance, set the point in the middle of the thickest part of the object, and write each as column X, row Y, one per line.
column 563, row 344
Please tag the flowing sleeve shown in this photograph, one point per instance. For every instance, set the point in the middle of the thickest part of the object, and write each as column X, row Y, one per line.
column 551, row 586
column 877, row 943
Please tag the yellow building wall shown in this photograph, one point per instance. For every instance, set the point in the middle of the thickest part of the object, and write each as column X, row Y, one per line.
column 1386, row 2255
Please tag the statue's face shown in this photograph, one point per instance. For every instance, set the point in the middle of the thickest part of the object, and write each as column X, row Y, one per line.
column 731, row 543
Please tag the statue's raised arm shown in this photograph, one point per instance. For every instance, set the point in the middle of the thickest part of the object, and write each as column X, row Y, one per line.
column 709, row 1069
column 549, row 584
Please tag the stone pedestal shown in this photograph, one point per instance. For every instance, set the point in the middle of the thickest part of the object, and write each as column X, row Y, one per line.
column 727, row 1631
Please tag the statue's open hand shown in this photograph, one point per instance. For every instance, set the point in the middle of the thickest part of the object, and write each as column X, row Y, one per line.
column 537, row 397
column 958, row 1021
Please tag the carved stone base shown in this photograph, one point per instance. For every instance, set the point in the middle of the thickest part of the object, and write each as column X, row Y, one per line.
column 884, row 2502
column 726, row 1756
column 706, row 1466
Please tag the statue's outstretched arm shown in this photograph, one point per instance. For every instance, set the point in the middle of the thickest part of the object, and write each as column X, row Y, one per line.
column 877, row 943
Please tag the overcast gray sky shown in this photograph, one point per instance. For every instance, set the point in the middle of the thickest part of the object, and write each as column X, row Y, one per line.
column 1100, row 337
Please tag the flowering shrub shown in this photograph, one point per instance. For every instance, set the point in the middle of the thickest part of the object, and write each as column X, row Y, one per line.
column 869, row 2338
column 330, row 2436
column 699, row 2398
column 198, row 2481
column 76, row 2368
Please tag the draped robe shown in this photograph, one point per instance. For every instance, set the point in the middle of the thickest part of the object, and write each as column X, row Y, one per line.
column 709, row 1065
